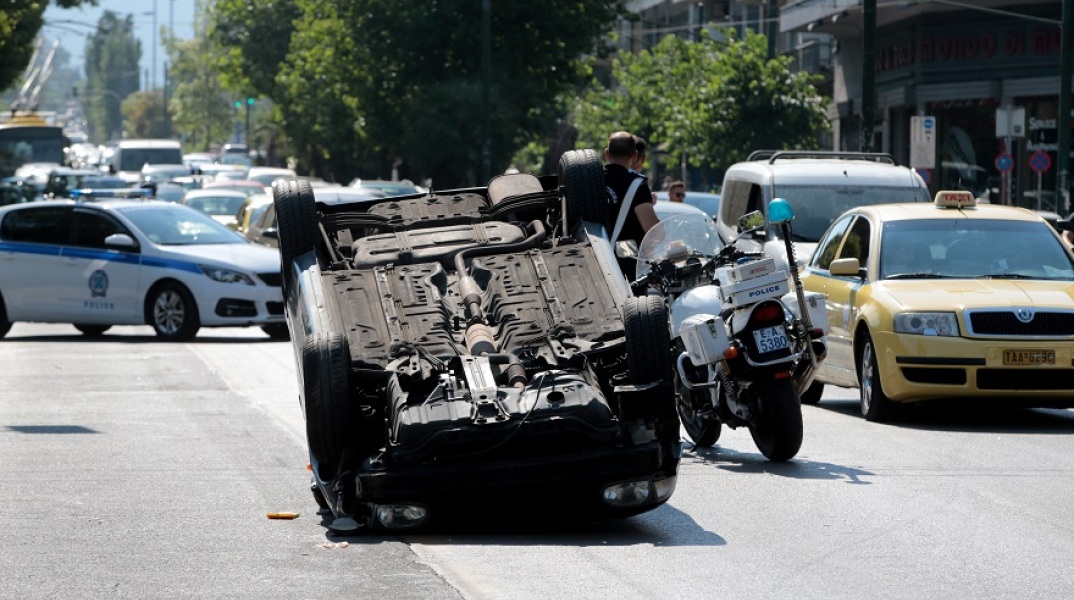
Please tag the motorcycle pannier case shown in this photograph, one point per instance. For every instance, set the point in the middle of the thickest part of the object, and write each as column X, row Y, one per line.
column 705, row 339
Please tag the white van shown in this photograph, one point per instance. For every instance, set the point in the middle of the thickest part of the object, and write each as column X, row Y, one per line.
column 818, row 185
column 127, row 157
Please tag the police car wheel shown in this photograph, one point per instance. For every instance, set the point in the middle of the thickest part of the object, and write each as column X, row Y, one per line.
column 581, row 176
column 172, row 312
column 92, row 331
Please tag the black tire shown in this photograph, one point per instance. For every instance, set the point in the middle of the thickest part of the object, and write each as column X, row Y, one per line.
column 277, row 331
column 704, row 431
column 296, row 222
column 778, row 429
column 318, row 496
column 171, row 311
column 875, row 405
column 92, row 331
column 5, row 325
column 813, row 393
column 331, row 412
column 648, row 342
column 581, row 175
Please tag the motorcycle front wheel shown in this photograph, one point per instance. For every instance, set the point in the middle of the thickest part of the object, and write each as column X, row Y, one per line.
column 778, row 428
column 704, row 430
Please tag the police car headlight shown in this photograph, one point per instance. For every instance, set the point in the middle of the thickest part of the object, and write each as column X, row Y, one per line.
column 927, row 323
column 225, row 275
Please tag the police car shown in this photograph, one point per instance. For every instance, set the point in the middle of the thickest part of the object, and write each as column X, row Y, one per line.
column 127, row 262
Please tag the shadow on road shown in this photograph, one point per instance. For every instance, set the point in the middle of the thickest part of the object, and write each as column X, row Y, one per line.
column 78, row 338
column 970, row 416
column 754, row 462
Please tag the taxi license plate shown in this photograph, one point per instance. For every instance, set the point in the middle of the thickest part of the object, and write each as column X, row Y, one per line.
column 1029, row 357
column 771, row 339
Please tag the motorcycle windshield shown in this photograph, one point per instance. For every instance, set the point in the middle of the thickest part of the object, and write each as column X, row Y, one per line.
column 678, row 236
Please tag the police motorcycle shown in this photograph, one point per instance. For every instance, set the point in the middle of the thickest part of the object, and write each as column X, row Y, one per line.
column 744, row 346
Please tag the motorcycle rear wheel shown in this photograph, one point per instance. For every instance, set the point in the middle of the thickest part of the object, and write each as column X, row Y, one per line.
column 704, row 430
column 778, row 429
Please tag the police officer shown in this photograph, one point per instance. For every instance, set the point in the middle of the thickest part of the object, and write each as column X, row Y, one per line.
column 626, row 186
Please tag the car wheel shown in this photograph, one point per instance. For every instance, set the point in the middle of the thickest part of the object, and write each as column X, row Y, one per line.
column 813, row 393
column 648, row 342
column 778, row 429
column 172, row 312
column 582, row 177
column 296, row 219
column 276, row 331
column 331, row 414
column 92, row 331
column 875, row 405
column 5, row 325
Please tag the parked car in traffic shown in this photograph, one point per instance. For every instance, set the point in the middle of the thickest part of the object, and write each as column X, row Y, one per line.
column 220, row 204
column 266, row 175
column 390, row 188
column 707, row 202
column 129, row 262
column 946, row 300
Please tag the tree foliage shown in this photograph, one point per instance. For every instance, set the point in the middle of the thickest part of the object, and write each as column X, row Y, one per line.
column 143, row 115
column 714, row 100
column 201, row 109
column 362, row 83
column 112, row 57
column 20, row 22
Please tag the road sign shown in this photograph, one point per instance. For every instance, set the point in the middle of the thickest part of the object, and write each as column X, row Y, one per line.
column 923, row 142
column 926, row 175
column 1004, row 162
column 1040, row 162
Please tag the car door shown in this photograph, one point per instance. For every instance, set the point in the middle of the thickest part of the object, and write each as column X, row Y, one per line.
column 101, row 284
column 31, row 276
column 841, row 292
column 816, row 278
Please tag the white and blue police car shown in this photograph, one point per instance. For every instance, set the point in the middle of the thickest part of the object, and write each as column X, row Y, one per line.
column 101, row 263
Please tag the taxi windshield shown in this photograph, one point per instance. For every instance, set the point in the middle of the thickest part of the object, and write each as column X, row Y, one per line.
column 971, row 249
column 174, row 224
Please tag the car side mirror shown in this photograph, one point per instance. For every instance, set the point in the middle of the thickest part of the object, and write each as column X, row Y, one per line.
column 626, row 249
column 1064, row 225
column 751, row 220
column 120, row 241
column 846, row 267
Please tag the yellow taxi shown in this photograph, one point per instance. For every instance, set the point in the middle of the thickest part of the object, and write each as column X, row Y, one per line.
column 946, row 299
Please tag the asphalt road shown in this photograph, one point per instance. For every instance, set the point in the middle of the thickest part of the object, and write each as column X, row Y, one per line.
column 133, row 468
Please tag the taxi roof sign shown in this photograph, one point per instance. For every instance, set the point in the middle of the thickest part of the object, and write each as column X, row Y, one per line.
column 954, row 199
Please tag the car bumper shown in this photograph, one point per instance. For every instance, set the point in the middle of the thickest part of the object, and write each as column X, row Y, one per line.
column 237, row 305
column 914, row 368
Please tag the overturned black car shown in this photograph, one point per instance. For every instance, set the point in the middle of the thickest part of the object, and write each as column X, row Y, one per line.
column 475, row 348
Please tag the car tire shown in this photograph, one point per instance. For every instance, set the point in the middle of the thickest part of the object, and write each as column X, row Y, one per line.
column 581, row 176
column 813, row 393
column 331, row 412
column 648, row 343
column 778, row 430
column 277, row 331
column 5, row 325
column 296, row 222
column 92, row 331
column 171, row 311
column 875, row 405
column 704, row 431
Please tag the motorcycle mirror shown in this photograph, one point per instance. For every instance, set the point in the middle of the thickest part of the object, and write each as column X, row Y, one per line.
column 751, row 220
column 779, row 211
column 626, row 249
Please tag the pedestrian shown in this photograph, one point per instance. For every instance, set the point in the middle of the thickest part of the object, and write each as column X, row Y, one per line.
column 676, row 191
column 630, row 207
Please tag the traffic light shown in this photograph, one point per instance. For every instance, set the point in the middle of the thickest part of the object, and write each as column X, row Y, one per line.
column 238, row 104
column 249, row 102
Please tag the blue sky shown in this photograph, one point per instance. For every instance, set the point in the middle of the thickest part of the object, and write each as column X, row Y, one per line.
column 69, row 26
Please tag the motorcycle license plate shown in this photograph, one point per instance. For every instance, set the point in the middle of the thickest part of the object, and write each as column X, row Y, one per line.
column 771, row 339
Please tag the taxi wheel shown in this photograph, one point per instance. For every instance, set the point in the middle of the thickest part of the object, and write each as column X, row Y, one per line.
column 172, row 312
column 92, row 331
column 875, row 405
column 581, row 176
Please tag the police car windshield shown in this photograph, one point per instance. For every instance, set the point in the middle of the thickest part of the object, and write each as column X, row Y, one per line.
column 173, row 224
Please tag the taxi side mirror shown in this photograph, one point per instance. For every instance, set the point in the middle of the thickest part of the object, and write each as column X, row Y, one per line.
column 846, row 267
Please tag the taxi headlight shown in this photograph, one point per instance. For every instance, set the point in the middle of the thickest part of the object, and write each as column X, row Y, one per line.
column 927, row 323
column 225, row 275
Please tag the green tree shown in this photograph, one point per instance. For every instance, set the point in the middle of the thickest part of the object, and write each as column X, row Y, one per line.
column 365, row 82
column 730, row 99
column 201, row 109
column 112, row 57
column 20, row 22
column 143, row 115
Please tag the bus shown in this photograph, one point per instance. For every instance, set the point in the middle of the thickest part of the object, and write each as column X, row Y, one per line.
column 29, row 139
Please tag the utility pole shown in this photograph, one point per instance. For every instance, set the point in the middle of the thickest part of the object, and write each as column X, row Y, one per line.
column 868, row 75
column 773, row 28
column 153, row 82
column 486, row 83
column 1062, row 151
